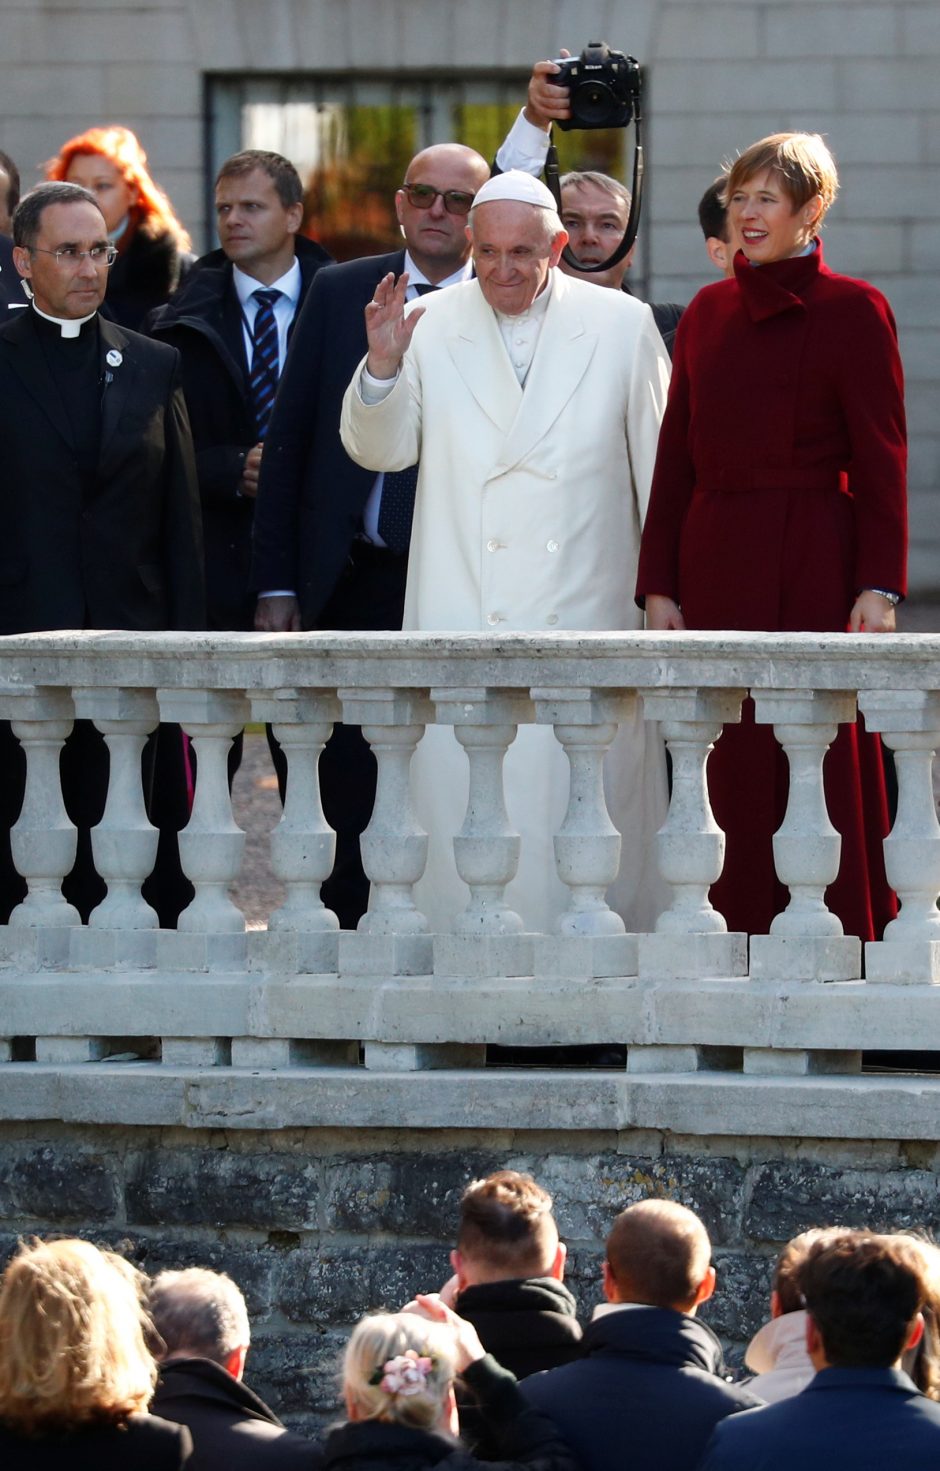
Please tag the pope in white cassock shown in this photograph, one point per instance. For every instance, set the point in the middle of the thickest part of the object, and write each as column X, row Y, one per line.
column 532, row 402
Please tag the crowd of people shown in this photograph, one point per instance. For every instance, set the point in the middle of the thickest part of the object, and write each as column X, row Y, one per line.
column 101, row 1367
column 468, row 433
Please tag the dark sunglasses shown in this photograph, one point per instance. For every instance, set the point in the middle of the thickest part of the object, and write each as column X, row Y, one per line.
column 422, row 196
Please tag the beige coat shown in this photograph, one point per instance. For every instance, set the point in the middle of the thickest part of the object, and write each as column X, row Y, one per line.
column 528, row 515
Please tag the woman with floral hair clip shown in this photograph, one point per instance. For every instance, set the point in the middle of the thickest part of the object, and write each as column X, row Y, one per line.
column 398, row 1384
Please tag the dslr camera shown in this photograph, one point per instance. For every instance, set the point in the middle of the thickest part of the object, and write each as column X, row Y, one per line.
column 604, row 87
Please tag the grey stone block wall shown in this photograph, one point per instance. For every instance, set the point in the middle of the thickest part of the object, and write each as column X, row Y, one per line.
column 321, row 1226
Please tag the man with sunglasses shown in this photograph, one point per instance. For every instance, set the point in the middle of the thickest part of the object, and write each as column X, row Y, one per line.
column 331, row 539
column 98, row 496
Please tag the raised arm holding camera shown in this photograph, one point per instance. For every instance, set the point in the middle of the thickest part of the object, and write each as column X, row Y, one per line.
column 599, row 89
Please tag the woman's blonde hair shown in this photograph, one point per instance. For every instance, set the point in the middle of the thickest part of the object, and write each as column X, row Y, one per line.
column 803, row 162
column 72, row 1346
column 374, row 1343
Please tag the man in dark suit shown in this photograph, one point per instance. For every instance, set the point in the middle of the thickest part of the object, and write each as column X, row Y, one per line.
column 98, row 493
column 203, row 1321
column 216, row 320
column 326, row 553
column 11, row 293
column 864, row 1300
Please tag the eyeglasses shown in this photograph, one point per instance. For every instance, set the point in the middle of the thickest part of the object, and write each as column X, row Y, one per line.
column 99, row 255
column 422, row 196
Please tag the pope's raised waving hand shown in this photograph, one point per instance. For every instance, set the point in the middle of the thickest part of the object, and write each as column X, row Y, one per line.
column 387, row 327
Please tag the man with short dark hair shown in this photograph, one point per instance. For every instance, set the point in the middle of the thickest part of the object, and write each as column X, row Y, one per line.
column 864, row 1298
column 713, row 218
column 231, row 321
column 330, row 538
column 508, row 1268
column 595, row 207
column 98, row 497
column 203, row 1321
column 647, row 1392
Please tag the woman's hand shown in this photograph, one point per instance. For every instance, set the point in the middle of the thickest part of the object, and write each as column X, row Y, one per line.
column 388, row 329
column 871, row 614
column 663, row 614
column 466, row 1339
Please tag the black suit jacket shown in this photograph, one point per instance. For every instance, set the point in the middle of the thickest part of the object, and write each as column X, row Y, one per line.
column 127, row 554
column 204, row 321
column 311, row 496
column 12, row 294
column 232, row 1428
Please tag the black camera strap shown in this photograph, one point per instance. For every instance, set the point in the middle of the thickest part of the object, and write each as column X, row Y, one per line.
column 552, row 179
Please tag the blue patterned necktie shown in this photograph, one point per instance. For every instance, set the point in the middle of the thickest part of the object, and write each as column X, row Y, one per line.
column 265, row 359
column 397, row 506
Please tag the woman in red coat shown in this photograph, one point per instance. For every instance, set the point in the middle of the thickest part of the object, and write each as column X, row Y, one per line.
column 779, row 503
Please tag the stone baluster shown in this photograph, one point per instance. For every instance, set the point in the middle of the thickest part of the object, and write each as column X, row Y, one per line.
column 486, row 850
column 806, row 941
column 124, row 843
column 303, row 845
column 587, row 847
column 691, row 937
column 394, row 848
column 211, row 843
column 909, row 722
column 43, row 840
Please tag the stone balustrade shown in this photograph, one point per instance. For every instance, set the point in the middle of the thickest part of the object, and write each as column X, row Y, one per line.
column 302, row 1022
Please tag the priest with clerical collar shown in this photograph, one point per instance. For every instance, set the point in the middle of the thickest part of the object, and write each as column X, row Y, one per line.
column 99, row 510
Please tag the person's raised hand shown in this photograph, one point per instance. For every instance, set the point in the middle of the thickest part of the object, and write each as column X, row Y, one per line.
column 430, row 1305
column 388, row 329
column 547, row 102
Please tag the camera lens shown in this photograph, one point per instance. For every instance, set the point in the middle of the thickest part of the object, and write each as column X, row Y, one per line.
column 593, row 102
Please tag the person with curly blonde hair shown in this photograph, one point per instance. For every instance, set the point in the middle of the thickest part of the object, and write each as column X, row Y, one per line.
column 398, row 1384
column 76, row 1375
column 153, row 246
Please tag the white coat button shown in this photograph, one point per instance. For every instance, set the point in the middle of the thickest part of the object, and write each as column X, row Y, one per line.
column 552, row 619
column 551, row 546
column 492, row 545
column 492, row 618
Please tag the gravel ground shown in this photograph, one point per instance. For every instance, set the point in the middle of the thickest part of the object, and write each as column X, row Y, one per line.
column 257, row 809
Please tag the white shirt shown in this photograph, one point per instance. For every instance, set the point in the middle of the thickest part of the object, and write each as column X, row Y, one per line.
column 285, row 308
column 524, row 147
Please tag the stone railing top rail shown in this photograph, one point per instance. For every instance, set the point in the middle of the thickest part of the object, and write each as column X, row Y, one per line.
column 518, row 660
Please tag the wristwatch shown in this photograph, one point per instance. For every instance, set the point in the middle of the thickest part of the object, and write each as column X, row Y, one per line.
column 890, row 597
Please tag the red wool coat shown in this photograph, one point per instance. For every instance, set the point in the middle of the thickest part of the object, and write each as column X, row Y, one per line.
column 779, row 493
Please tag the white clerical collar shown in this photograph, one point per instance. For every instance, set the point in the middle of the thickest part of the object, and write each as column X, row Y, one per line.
column 536, row 310
column 289, row 284
column 69, row 326
column 416, row 277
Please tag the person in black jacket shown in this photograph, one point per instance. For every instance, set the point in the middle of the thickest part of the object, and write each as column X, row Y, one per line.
column 647, row 1392
column 866, row 1299
column 320, row 560
column 203, row 1321
column 213, row 321
column 398, row 1384
column 508, row 1270
column 76, row 1375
